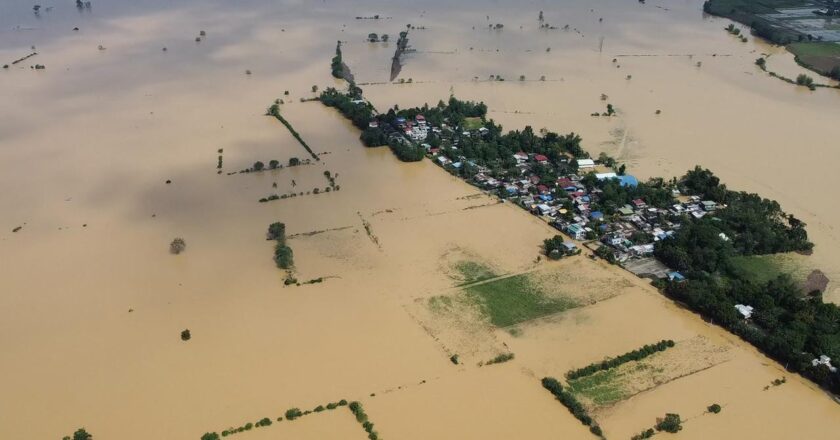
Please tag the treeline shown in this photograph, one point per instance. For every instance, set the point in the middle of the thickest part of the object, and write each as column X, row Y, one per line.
column 274, row 110
column 290, row 414
column 572, row 404
column 500, row 359
column 630, row 356
column 283, row 256
column 362, row 418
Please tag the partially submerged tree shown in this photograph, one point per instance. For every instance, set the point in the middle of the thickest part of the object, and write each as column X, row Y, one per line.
column 177, row 246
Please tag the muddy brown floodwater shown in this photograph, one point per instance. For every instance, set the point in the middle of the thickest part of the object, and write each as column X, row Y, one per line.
column 92, row 304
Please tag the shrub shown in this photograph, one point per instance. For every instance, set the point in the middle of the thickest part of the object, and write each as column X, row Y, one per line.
column 206, row 436
column 273, row 164
column 714, row 408
column 265, row 421
column 258, row 166
column 294, row 161
column 454, row 359
column 177, row 246
column 185, row 335
column 319, row 408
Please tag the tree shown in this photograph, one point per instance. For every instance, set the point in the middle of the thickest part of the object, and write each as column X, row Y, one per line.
column 283, row 256
column 293, row 161
column 293, row 413
column 177, row 246
column 384, row 38
column 314, row 89
column 258, row 166
column 81, row 434
column 209, row 436
column 277, row 231
column 671, row 423
column 714, row 408
column 273, row 164
column 761, row 62
column 185, row 335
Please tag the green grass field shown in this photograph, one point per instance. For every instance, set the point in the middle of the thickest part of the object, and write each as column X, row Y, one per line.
column 516, row 299
column 820, row 56
column 763, row 268
column 473, row 123
column 602, row 388
column 473, row 272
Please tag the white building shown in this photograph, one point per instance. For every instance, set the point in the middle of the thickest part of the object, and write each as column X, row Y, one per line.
column 584, row 164
column 745, row 311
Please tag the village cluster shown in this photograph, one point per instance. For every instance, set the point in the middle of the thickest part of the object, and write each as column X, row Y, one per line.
column 567, row 202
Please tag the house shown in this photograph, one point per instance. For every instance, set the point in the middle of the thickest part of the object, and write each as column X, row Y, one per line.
column 628, row 180
column 540, row 158
column 745, row 311
column 826, row 361
column 596, row 215
column 544, row 209
column 576, row 231
column 585, row 164
column 443, row 160
column 675, row 276
column 373, row 124
column 708, row 205
column 603, row 176
column 625, row 210
column 520, row 156
column 421, row 120
column 639, row 203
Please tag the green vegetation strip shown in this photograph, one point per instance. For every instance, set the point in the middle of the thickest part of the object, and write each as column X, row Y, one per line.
column 274, row 110
column 515, row 299
column 291, row 414
column 571, row 403
column 634, row 355
column 283, row 255
column 361, row 417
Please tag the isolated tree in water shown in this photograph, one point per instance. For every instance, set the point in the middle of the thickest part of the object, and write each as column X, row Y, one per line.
column 80, row 434
column 177, row 246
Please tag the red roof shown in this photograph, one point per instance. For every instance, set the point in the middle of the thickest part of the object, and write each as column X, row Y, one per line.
column 638, row 202
column 565, row 182
column 540, row 158
column 420, row 118
column 542, row 188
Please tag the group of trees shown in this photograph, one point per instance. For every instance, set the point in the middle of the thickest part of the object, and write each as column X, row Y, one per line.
column 360, row 114
column 787, row 325
column 337, row 64
column 361, row 417
column 634, row 355
column 283, row 256
column 572, row 404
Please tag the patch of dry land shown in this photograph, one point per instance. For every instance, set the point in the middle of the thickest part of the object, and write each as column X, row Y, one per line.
column 416, row 266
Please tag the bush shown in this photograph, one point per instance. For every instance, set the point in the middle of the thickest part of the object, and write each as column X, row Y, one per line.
column 206, row 436
column 714, row 408
column 273, row 164
column 294, row 161
column 177, row 246
column 258, row 166
column 185, row 335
